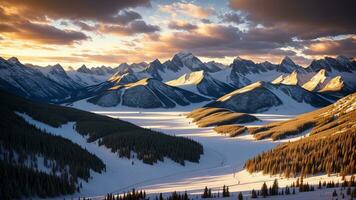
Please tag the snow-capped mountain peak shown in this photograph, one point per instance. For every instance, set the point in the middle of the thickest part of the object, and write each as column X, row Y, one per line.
column 287, row 65
column 14, row 60
column 183, row 54
column 84, row 69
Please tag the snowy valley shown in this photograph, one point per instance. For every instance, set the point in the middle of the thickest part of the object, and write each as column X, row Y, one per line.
column 186, row 154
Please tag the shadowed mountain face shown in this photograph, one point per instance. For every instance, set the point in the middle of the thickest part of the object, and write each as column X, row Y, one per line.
column 262, row 96
column 146, row 93
column 29, row 82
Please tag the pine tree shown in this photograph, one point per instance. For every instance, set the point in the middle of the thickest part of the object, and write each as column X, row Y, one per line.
column 275, row 187
column 264, row 190
column 240, row 197
column 334, row 193
column 205, row 193
column 253, row 194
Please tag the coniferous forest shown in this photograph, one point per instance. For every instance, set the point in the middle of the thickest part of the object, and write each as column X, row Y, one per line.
column 332, row 153
column 120, row 136
column 330, row 147
column 22, row 146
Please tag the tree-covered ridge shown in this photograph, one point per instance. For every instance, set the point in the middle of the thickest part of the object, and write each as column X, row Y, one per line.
column 120, row 136
column 21, row 144
column 19, row 181
column 326, row 154
column 207, row 116
column 330, row 148
column 19, row 137
column 338, row 116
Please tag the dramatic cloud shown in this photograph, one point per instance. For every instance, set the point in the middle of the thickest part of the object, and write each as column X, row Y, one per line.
column 206, row 21
column 79, row 9
column 7, row 28
column 187, row 9
column 48, row 34
column 125, row 16
column 344, row 47
column 43, row 33
column 308, row 18
column 181, row 25
column 132, row 28
column 232, row 17
column 84, row 26
column 219, row 41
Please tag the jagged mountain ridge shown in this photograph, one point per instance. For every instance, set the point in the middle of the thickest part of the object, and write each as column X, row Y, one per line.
column 202, row 82
column 146, row 93
column 85, row 82
column 264, row 96
column 30, row 82
column 59, row 75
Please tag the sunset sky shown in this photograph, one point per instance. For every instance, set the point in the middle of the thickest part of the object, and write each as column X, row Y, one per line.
column 109, row 32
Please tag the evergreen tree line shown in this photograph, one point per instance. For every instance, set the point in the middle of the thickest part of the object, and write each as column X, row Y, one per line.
column 265, row 191
column 20, row 146
column 207, row 193
column 173, row 196
column 19, row 181
column 120, row 136
column 17, row 136
column 316, row 154
column 132, row 195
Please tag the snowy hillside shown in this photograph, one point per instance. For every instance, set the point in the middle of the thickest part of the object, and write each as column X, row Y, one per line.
column 203, row 83
column 146, row 93
column 87, row 77
column 264, row 96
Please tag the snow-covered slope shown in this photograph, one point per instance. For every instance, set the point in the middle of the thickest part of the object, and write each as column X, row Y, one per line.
column 317, row 82
column 201, row 82
column 87, row 77
column 263, row 96
column 243, row 72
column 29, row 82
column 59, row 75
column 134, row 67
column 146, row 93
column 294, row 78
column 186, row 59
column 215, row 66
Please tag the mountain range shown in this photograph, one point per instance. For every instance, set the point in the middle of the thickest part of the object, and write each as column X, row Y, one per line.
column 183, row 80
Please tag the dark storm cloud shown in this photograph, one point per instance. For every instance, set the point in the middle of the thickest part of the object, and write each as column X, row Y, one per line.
column 206, row 21
column 84, row 26
column 132, row 28
column 221, row 41
column 79, row 9
column 309, row 18
column 181, row 25
column 232, row 17
column 126, row 16
column 43, row 33
column 269, row 34
column 49, row 34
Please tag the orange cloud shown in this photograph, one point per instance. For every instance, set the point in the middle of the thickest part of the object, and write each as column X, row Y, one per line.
column 187, row 9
